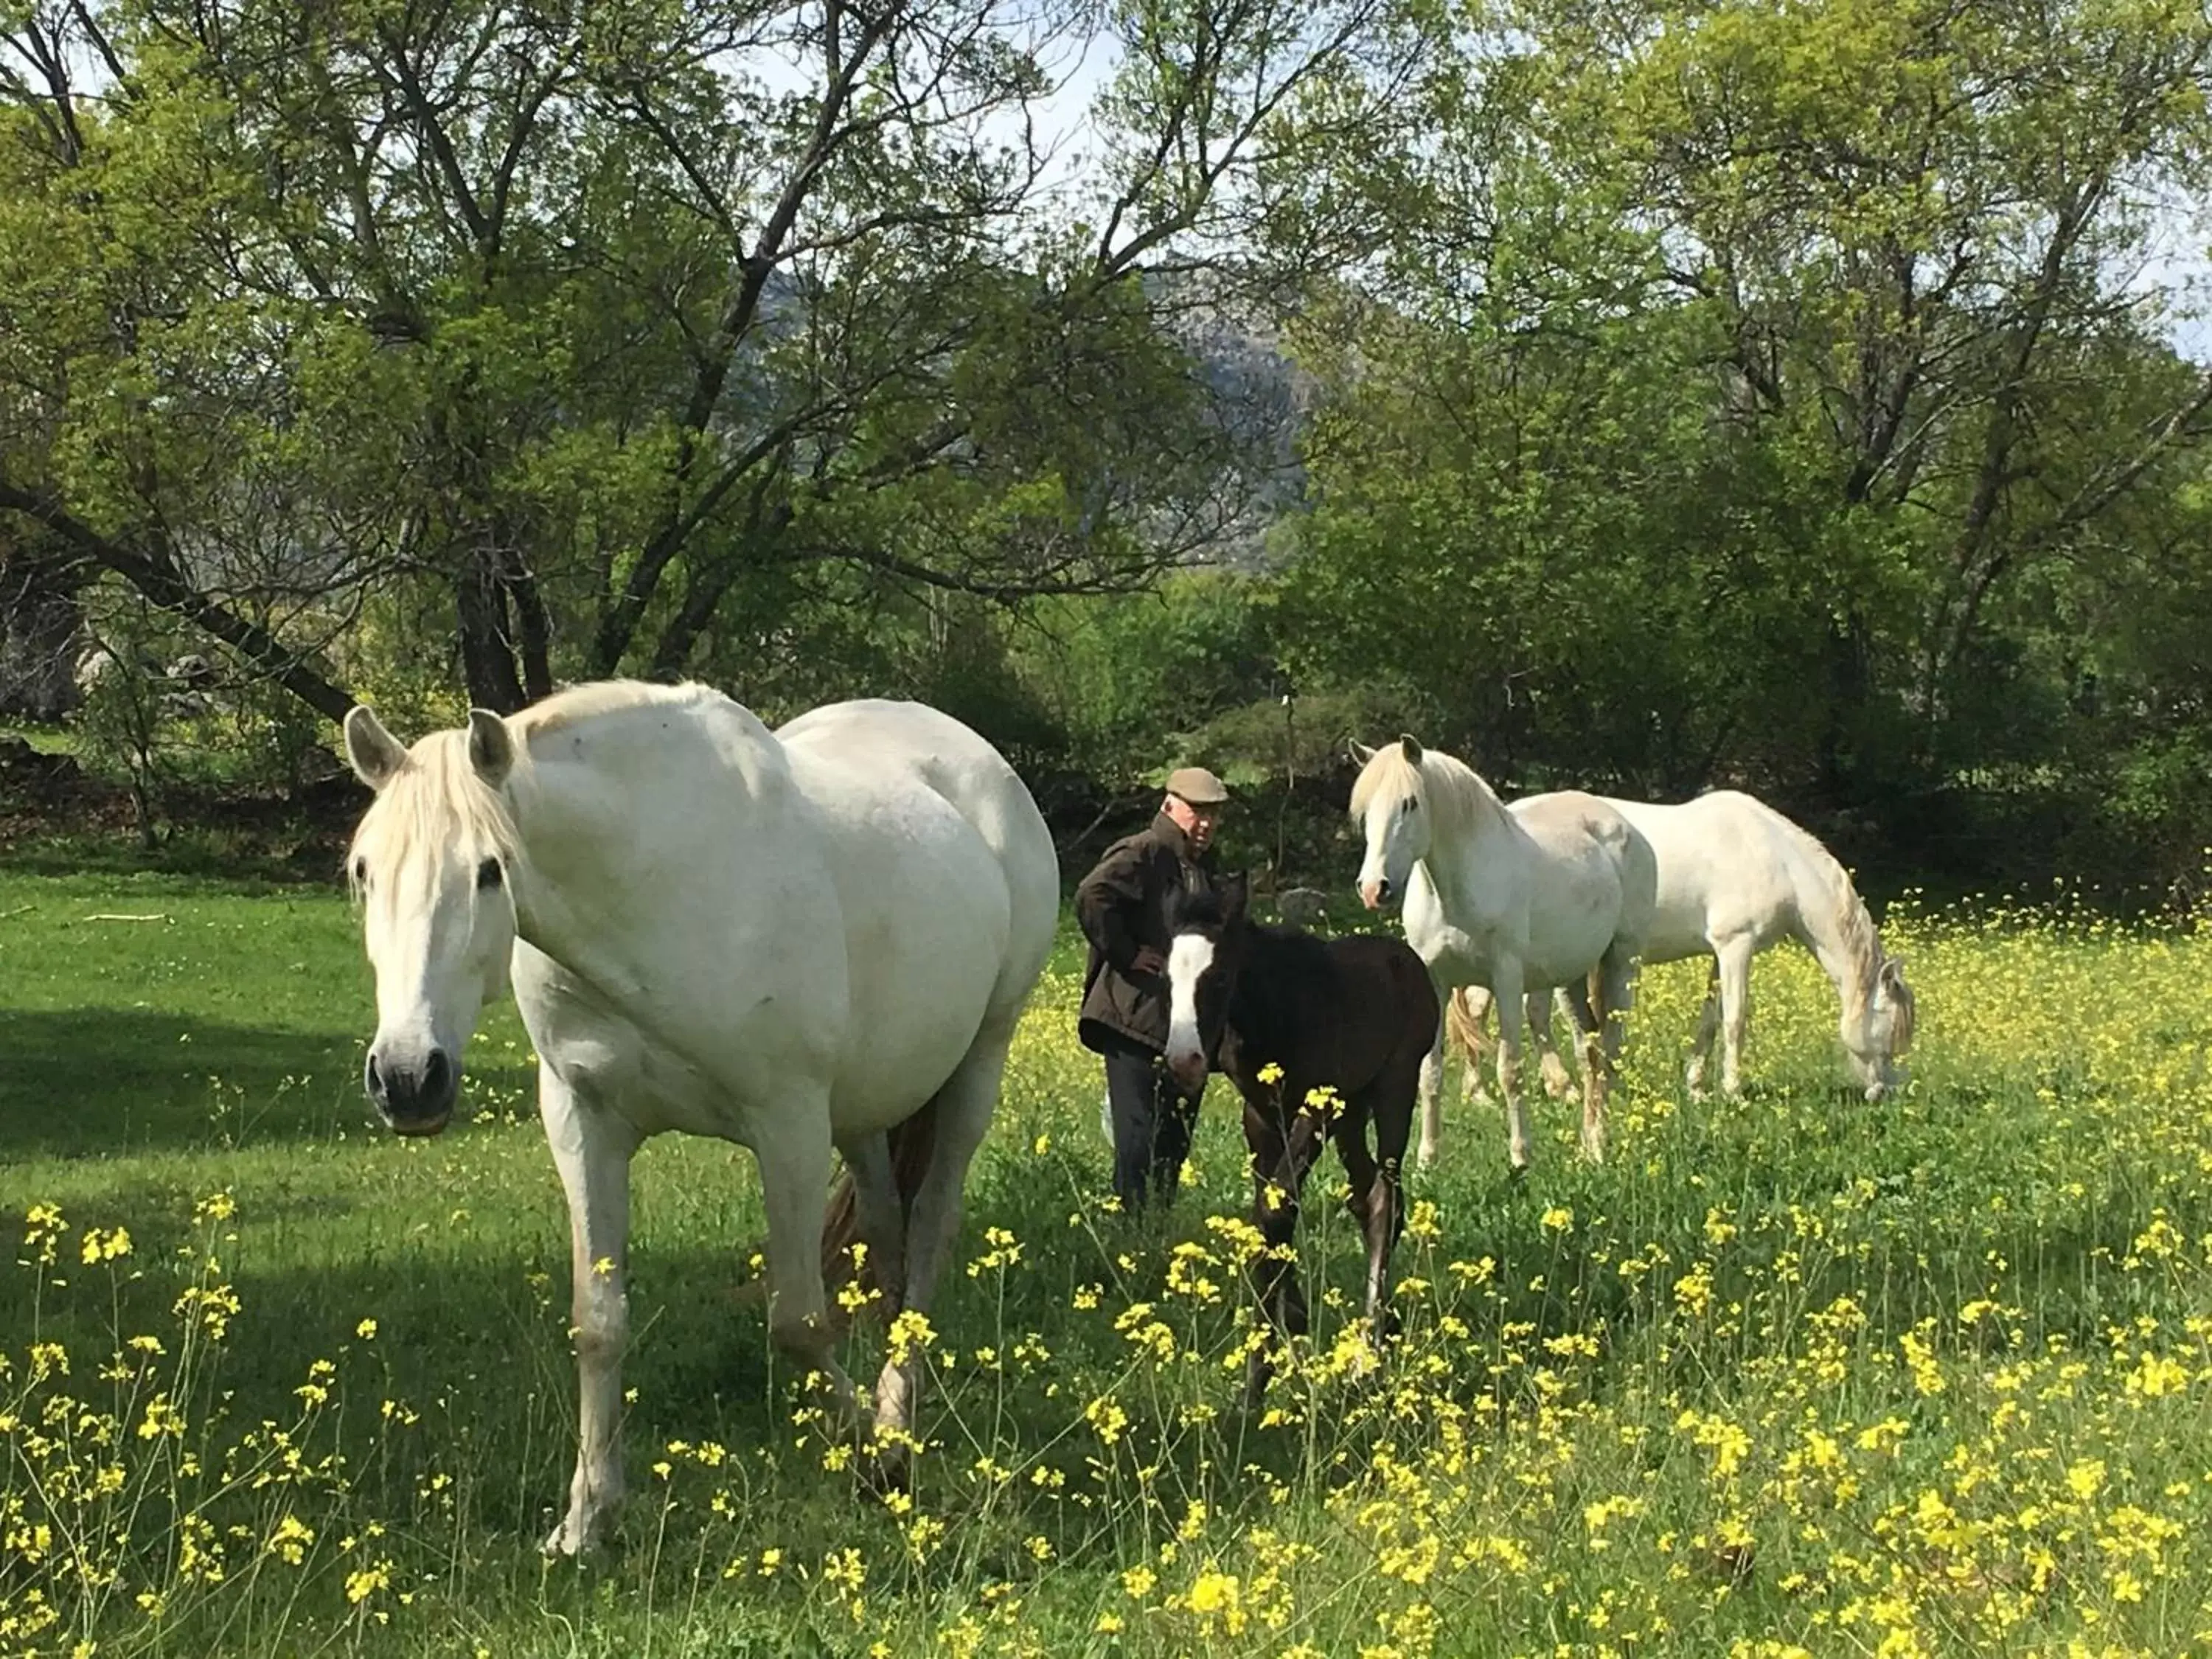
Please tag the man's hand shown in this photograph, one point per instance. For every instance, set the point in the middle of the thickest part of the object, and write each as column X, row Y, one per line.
column 1147, row 961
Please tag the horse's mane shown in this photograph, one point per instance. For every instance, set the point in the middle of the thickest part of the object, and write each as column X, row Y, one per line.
column 1445, row 785
column 1847, row 911
column 436, row 800
column 588, row 701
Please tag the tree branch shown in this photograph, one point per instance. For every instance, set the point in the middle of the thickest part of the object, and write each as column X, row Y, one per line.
column 154, row 573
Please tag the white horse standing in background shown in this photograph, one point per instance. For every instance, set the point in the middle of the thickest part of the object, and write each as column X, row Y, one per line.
column 1556, row 891
column 795, row 940
column 1736, row 878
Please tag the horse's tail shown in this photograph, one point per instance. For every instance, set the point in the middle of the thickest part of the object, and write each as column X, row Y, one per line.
column 912, row 1142
column 1463, row 1026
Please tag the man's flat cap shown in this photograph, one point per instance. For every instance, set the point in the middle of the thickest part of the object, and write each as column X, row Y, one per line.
column 1197, row 786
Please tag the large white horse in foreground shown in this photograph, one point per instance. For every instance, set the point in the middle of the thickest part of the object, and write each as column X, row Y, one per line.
column 1736, row 878
column 795, row 940
column 1555, row 892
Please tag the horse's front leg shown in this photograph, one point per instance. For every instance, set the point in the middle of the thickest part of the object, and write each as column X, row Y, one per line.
column 1280, row 1157
column 1614, row 983
column 879, row 1218
column 1735, row 974
column 591, row 1149
column 1505, row 985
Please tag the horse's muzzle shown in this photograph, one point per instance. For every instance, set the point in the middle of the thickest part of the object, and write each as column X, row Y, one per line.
column 1188, row 1071
column 413, row 1098
column 1378, row 894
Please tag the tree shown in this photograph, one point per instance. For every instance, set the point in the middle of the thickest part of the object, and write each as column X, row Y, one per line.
column 596, row 318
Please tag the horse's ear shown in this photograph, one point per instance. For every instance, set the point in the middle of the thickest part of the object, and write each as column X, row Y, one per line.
column 1892, row 972
column 1412, row 747
column 1235, row 892
column 375, row 753
column 1360, row 753
column 491, row 750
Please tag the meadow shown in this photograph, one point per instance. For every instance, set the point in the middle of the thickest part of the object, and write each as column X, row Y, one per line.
column 1788, row 1375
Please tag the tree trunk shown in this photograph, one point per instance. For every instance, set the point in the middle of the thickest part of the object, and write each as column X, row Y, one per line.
column 487, row 650
column 40, row 622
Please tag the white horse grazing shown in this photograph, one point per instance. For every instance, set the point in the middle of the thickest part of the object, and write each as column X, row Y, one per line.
column 1557, row 891
column 794, row 940
column 1735, row 877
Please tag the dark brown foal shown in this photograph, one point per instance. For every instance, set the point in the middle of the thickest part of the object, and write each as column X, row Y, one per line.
column 1322, row 1038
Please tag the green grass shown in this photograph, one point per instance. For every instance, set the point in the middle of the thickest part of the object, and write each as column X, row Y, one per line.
column 1586, row 1343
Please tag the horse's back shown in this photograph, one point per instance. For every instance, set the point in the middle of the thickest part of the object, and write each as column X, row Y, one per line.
column 883, row 761
column 1385, row 987
column 1590, row 845
column 1727, row 869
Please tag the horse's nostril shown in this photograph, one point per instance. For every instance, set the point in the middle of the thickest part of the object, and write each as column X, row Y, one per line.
column 435, row 1072
column 375, row 1078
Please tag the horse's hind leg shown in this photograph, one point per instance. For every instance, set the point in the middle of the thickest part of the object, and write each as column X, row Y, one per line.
column 1588, row 1022
column 591, row 1149
column 793, row 1150
column 1505, row 985
column 1612, row 986
column 1280, row 1159
column 964, row 1107
column 1708, row 1025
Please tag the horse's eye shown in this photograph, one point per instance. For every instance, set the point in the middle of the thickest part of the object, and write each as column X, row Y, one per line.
column 488, row 874
column 360, row 872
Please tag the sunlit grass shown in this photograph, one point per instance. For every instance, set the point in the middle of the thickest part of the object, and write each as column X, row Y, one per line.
column 1794, row 1374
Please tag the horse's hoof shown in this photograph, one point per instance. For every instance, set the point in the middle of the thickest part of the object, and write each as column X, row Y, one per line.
column 1257, row 1373
column 887, row 1466
column 575, row 1538
column 1517, row 1172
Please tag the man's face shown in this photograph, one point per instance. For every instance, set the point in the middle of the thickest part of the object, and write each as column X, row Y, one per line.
column 1196, row 822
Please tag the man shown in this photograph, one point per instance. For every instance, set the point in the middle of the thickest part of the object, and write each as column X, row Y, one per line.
column 1123, row 907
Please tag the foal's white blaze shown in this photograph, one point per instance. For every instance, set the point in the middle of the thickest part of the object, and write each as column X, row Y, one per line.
column 1189, row 958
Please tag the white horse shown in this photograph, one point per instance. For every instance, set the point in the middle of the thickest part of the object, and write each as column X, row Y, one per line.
column 1557, row 891
column 1736, row 878
column 794, row 940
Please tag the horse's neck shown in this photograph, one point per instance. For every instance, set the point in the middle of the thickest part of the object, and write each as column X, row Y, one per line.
column 1469, row 836
column 1266, row 1011
column 617, row 827
column 1834, row 925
